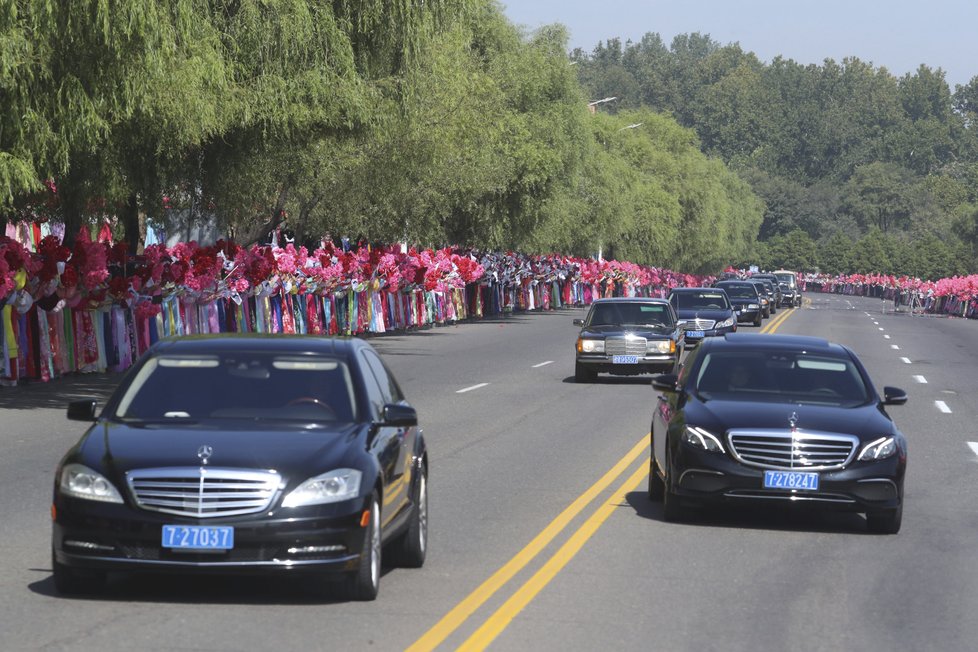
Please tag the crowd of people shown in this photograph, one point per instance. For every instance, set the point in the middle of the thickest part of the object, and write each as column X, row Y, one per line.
column 94, row 307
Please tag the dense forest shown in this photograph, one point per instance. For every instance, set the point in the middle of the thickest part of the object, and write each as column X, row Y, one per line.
column 859, row 170
column 443, row 123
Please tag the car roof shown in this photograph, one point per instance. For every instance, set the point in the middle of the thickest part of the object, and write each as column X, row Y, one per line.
column 259, row 342
column 753, row 341
column 732, row 283
column 630, row 300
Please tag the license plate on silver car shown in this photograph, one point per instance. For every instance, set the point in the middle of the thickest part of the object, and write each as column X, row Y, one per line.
column 791, row 480
column 198, row 537
column 624, row 359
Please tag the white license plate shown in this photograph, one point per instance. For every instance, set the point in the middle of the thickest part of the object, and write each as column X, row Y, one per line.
column 791, row 480
column 624, row 359
column 198, row 537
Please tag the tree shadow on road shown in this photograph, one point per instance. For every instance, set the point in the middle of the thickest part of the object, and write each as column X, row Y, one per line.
column 57, row 393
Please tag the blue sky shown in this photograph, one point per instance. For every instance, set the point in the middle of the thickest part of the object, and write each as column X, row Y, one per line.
column 896, row 34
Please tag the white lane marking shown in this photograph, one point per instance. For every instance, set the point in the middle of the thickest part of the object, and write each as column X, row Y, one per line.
column 886, row 337
column 974, row 446
column 469, row 389
column 942, row 406
column 920, row 379
column 894, row 347
column 906, row 360
column 881, row 328
column 876, row 322
column 543, row 364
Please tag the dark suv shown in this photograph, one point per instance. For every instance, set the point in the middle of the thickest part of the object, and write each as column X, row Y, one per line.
column 628, row 336
column 703, row 312
column 780, row 298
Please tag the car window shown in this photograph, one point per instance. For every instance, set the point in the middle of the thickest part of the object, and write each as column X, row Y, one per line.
column 701, row 301
column 631, row 314
column 791, row 377
column 740, row 291
column 240, row 385
column 388, row 386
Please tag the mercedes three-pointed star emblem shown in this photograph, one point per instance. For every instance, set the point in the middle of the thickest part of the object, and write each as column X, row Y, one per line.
column 204, row 453
column 793, row 421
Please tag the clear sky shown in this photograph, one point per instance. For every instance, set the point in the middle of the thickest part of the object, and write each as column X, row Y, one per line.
column 898, row 35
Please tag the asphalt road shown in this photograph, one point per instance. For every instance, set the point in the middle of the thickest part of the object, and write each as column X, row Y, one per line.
column 541, row 535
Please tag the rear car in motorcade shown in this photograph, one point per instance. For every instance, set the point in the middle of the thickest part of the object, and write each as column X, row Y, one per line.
column 703, row 312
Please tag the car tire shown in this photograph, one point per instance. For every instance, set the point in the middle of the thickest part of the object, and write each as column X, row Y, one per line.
column 69, row 581
column 582, row 374
column 410, row 549
column 885, row 521
column 759, row 319
column 657, row 487
column 364, row 584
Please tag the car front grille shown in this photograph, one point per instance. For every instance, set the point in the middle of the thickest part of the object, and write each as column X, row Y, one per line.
column 699, row 324
column 203, row 492
column 784, row 449
column 625, row 346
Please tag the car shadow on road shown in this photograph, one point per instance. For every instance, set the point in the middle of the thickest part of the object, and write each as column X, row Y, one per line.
column 206, row 589
column 783, row 517
column 614, row 380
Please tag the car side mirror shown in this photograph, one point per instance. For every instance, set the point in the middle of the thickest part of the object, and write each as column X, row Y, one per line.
column 398, row 414
column 894, row 396
column 83, row 410
column 666, row 382
column 578, row 322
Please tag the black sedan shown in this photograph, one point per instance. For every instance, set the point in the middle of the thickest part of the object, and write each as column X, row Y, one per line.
column 245, row 453
column 746, row 299
column 767, row 418
column 703, row 312
column 628, row 336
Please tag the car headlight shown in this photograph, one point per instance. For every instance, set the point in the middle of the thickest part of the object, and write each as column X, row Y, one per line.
column 879, row 450
column 660, row 346
column 753, row 306
column 79, row 481
column 700, row 438
column 590, row 346
column 726, row 323
column 332, row 487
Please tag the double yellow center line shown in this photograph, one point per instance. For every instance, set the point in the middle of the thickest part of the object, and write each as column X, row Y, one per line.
column 500, row 619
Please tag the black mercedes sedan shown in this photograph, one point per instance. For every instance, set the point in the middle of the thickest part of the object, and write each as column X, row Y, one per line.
column 628, row 336
column 245, row 453
column 746, row 299
column 777, row 418
column 703, row 312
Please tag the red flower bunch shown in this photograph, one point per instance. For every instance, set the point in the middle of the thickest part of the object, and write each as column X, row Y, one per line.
column 90, row 260
column 51, row 252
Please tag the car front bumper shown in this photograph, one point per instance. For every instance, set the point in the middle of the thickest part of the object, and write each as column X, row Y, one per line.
column 111, row 537
column 716, row 477
column 747, row 315
column 649, row 364
column 692, row 341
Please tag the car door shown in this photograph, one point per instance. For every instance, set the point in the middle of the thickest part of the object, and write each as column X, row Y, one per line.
column 666, row 406
column 398, row 441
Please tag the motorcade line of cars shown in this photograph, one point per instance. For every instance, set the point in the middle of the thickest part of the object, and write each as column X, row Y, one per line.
column 245, row 454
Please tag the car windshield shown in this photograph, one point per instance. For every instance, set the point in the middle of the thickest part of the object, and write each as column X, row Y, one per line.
column 781, row 376
column 785, row 279
column 740, row 291
column 239, row 385
column 630, row 314
column 701, row 301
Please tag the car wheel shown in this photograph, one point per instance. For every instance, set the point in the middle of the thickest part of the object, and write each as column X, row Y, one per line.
column 410, row 549
column 69, row 581
column 758, row 319
column 582, row 374
column 365, row 582
column 885, row 521
column 656, row 486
